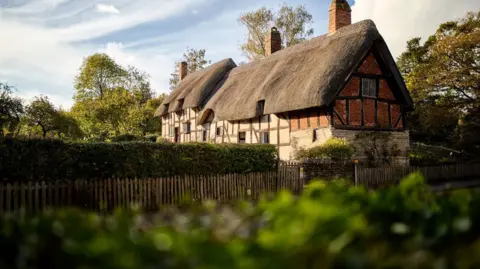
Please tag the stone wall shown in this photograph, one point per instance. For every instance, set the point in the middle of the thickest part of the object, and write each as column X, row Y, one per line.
column 396, row 143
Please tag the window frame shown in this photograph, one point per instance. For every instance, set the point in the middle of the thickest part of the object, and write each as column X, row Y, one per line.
column 187, row 127
column 244, row 137
column 371, row 87
column 264, row 135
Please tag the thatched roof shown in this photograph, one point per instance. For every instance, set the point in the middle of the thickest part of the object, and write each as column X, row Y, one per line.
column 194, row 89
column 309, row 74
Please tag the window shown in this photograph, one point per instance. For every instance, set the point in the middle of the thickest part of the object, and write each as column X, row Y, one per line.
column 219, row 131
column 369, row 87
column 315, row 135
column 186, row 127
column 172, row 130
column 265, row 138
column 265, row 118
column 204, row 136
column 260, row 107
column 242, row 137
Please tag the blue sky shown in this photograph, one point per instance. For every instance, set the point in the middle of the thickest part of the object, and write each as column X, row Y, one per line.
column 44, row 41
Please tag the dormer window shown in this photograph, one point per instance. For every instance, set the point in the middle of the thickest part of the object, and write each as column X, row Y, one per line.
column 180, row 104
column 260, row 107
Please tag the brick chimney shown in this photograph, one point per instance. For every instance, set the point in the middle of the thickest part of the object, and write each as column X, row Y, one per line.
column 340, row 15
column 182, row 70
column 273, row 42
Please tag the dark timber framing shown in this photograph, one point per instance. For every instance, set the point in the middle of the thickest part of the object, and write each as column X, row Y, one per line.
column 387, row 76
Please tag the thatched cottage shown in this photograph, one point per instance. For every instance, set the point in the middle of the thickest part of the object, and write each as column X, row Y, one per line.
column 339, row 84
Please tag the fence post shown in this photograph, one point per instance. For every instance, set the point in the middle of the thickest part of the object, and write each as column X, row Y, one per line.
column 356, row 172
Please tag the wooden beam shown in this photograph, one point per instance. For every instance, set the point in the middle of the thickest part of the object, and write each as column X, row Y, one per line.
column 338, row 115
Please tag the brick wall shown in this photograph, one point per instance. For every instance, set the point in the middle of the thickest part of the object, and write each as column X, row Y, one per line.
column 370, row 66
column 352, row 88
column 340, row 16
column 309, row 119
column 273, row 42
column 384, row 90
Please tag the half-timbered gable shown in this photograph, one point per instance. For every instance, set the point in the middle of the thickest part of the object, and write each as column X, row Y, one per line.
column 367, row 101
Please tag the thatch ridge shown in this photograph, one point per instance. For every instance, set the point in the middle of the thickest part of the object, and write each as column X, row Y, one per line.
column 306, row 75
column 195, row 87
column 309, row 74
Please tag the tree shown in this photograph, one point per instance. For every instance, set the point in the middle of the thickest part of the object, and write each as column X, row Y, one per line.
column 112, row 102
column 11, row 109
column 41, row 112
column 195, row 61
column 138, row 82
column 293, row 23
column 443, row 76
column 98, row 74
column 42, row 118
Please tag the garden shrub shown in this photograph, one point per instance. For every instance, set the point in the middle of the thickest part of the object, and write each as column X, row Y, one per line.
column 39, row 159
column 329, row 226
column 334, row 149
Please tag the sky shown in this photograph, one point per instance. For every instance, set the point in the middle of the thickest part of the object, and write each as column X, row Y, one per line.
column 43, row 42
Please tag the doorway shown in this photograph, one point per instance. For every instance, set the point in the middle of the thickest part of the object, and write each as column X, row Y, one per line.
column 177, row 135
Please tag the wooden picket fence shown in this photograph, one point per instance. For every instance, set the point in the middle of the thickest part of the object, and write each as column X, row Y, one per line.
column 388, row 176
column 106, row 195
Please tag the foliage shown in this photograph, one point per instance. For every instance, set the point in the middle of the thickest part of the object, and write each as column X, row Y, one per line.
column 98, row 74
column 11, row 109
column 55, row 159
column 42, row 118
column 329, row 226
column 293, row 24
column 334, row 149
column 111, row 100
column 443, row 75
column 195, row 60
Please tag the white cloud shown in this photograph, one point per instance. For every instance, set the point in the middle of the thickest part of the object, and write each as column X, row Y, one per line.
column 401, row 20
column 195, row 12
column 40, row 59
column 102, row 8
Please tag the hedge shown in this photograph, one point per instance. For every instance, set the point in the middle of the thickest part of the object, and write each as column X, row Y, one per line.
column 39, row 159
column 329, row 226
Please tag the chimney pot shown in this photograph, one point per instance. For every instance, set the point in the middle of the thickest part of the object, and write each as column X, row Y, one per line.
column 340, row 15
column 182, row 70
column 273, row 42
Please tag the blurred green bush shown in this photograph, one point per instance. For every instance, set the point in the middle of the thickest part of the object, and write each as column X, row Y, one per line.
column 329, row 226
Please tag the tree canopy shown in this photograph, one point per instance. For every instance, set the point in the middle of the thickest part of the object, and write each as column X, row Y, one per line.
column 11, row 109
column 443, row 76
column 41, row 117
column 294, row 24
column 111, row 100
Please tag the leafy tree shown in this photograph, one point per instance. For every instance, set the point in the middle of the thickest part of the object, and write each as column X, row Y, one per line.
column 41, row 112
column 98, row 74
column 42, row 118
column 137, row 82
column 293, row 23
column 443, row 76
column 195, row 60
column 11, row 109
column 114, row 99
column 150, row 124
